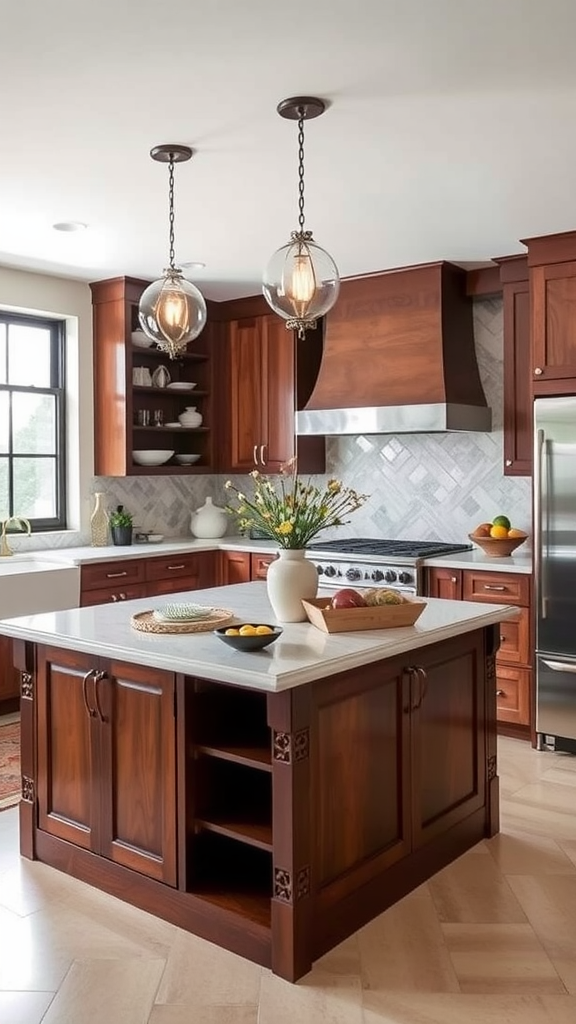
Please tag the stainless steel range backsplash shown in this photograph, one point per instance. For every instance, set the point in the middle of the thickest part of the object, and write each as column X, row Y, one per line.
column 421, row 486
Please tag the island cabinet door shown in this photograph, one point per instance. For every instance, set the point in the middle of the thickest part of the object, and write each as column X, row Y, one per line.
column 138, row 769
column 447, row 687
column 68, row 747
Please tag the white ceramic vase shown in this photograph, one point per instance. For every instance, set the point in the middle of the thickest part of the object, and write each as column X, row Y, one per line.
column 290, row 579
column 209, row 521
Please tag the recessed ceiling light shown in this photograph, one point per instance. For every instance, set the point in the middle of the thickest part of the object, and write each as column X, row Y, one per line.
column 70, row 225
column 193, row 265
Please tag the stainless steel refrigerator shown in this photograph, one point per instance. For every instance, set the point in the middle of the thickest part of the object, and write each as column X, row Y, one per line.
column 555, row 572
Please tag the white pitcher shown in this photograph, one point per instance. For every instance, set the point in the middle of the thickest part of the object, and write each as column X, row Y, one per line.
column 209, row 521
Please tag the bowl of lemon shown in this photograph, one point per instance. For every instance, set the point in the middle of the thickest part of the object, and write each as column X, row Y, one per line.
column 248, row 636
column 498, row 538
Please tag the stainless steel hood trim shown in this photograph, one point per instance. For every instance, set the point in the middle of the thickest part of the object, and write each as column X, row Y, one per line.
column 394, row 419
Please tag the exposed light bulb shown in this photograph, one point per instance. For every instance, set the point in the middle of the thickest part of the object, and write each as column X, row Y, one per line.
column 301, row 284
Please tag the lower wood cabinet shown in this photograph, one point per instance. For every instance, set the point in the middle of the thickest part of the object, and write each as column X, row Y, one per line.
column 106, row 759
column 259, row 566
column 233, row 567
column 514, row 657
column 131, row 578
column 9, row 678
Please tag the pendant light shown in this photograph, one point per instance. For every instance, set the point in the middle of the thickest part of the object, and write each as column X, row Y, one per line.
column 301, row 281
column 172, row 311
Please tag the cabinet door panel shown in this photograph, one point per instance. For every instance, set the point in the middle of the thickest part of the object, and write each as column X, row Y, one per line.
column 518, row 427
column 234, row 567
column 445, row 583
column 113, row 575
column 514, row 639
column 174, row 586
column 259, row 566
column 138, row 770
column 553, row 305
column 448, row 750
column 246, row 410
column 279, row 393
column 496, row 587
column 513, row 694
column 9, row 677
column 109, row 595
column 68, row 797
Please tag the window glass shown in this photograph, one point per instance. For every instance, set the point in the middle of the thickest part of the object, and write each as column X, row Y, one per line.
column 29, row 356
column 33, row 423
column 2, row 353
column 35, row 487
column 4, row 422
column 4, row 510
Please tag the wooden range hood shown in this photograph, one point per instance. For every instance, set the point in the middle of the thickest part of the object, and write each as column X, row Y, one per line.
column 398, row 357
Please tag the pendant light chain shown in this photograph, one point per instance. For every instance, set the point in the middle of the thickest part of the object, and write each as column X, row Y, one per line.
column 301, row 173
column 171, row 212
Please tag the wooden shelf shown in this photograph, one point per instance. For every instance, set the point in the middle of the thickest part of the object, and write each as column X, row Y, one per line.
column 194, row 357
column 258, row 834
column 252, row 906
column 232, row 875
column 149, row 389
column 251, row 756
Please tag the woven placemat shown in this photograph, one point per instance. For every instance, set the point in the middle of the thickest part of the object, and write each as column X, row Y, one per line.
column 146, row 623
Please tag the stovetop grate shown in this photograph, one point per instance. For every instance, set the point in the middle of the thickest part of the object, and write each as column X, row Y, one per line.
column 388, row 548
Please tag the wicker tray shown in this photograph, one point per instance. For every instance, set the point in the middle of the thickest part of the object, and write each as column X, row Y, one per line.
column 345, row 620
column 146, row 623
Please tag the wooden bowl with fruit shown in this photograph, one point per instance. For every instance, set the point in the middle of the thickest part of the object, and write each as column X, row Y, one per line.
column 350, row 609
column 499, row 538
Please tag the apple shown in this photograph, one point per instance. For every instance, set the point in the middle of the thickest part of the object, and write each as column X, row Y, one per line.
column 348, row 598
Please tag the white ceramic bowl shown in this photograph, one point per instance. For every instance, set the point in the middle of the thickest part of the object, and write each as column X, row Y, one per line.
column 152, row 457
column 182, row 385
column 187, row 460
column 141, row 340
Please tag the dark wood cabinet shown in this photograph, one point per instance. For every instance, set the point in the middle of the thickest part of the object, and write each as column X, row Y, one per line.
column 120, row 401
column 233, row 567
column 9, row 677
column 514, row 656
column 107, row 759
column 131, row 578
column 259, row 565
column 552, row 268
column 518, row 425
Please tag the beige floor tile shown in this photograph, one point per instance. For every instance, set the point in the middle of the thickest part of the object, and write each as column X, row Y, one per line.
column 110, row 991
column 524, row 854
column 29, row 886
column 319, row 997
column 24, row 1007
column 201, row 974
column 182, row 1014
column 473, row 889
column 569, row 848
column 550, row 905
column 500, row 958
column 343, row 959
column 521, row 816
column 404, row 949
column 426, row 1008
column 566, row 968
column 551, row 795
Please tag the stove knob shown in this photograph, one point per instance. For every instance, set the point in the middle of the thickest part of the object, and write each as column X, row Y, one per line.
column 377, row 575
column 353, row 574
column 405, row 577
column 319, row 570
column 330, row 571
column 390, row 576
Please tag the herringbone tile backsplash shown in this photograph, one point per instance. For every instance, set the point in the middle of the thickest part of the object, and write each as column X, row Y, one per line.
column 421, row 486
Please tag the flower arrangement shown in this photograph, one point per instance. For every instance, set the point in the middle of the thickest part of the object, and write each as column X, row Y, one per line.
column 293, row 511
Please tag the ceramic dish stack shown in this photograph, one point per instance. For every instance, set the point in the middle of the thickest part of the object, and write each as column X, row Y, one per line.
column 152, row 456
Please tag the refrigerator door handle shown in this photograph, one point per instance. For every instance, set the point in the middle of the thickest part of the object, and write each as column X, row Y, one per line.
column 539, row 582
column 560, row 666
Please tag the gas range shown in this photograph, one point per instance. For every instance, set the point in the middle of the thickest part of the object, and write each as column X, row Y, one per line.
column 371, row 562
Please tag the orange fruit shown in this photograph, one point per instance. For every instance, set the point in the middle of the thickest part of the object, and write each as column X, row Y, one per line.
column 498, row 532
column 483, row 530
column 513, row 532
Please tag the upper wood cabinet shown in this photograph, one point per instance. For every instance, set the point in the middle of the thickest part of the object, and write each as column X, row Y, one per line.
column 268, row 374
column 518, row 433
column 552, row 263
column 131, row 416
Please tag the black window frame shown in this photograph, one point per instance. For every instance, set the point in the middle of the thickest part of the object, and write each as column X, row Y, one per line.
column 57, row 329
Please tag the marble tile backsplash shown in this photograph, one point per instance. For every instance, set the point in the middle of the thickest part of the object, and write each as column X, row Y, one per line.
column 421, row 486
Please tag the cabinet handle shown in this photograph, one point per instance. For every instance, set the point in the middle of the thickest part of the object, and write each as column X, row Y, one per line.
column 493, row 586
column 175, row 566
column 420, row 673
column 538, row 371
column 502, row 638
column 91, row 711
column 122, row 597
column 97, row 677
column 508, row 462
column 255, row 455
column 453, row 579
column 114, row 597
column 500, row 693
column 115, row 575
column 262, row 459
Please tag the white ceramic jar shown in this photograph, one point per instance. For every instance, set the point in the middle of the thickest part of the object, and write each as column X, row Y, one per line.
column 190, row 417
column 209, row 521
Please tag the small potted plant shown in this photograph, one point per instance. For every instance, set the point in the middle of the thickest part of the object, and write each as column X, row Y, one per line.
column 121, row 526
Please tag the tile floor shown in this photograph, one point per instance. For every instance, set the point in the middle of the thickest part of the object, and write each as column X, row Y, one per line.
column 489, row 940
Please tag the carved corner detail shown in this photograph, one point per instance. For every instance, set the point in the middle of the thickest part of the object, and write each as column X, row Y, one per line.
column 26, row 686
column 492, row 767
column 28, row 789
column 491, row 670
column 282, row 885
column 303, row 882
column 291, row 747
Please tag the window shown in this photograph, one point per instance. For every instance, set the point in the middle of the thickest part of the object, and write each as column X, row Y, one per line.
column 32, row 420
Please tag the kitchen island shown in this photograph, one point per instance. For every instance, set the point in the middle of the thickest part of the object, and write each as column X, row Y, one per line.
column 270, row 802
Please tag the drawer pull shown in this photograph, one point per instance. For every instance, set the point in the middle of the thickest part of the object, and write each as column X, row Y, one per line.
column 122, row 597
column 538, row 371
column 115, row 575
column 502, row 638
column 114, row 597
column 255, row 455
column 453, row 579
column 175, row 566
column 500, row 693
column 493, row 586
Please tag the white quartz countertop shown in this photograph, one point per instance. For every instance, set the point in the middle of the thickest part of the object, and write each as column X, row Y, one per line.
column 476, row 559
column 302, row 653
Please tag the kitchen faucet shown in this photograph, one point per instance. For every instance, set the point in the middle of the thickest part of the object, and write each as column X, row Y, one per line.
column 5, row 548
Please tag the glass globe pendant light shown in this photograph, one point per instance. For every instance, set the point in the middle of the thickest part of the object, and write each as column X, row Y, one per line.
column 301, row 281
column 172, row 311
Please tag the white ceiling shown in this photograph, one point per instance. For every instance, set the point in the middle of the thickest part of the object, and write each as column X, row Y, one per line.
column 450, row 132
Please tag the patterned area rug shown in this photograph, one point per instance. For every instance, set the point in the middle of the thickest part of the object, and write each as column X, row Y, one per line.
column 9, row 761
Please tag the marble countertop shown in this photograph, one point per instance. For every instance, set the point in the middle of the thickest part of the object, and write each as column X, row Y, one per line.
column 302, row 653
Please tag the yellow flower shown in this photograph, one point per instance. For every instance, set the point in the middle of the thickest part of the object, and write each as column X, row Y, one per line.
column 284, row 528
